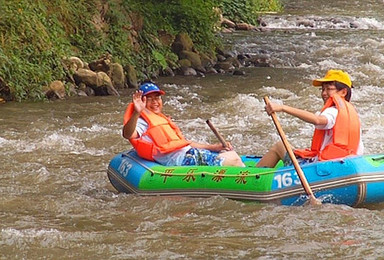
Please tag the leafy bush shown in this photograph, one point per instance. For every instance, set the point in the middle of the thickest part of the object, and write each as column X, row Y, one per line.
column 195, row 17
column 247, row 10
column 35, row 37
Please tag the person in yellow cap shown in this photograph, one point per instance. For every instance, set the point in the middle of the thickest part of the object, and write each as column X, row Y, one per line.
column 337, row 126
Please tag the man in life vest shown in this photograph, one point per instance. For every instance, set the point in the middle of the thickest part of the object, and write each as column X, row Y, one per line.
column 337, row 126
column 155, row 136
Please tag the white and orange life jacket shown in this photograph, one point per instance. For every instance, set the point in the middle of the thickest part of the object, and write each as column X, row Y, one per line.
column 346, row 133
column 165, row 135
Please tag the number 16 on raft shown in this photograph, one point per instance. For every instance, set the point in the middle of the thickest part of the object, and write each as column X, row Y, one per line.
column 286, row 179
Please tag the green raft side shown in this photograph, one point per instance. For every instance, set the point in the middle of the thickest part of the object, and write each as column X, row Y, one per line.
column 208, row 177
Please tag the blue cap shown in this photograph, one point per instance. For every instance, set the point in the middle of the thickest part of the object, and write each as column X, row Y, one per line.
column 149, row 88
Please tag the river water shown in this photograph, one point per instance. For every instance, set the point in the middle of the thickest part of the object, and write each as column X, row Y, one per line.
column 57, row 203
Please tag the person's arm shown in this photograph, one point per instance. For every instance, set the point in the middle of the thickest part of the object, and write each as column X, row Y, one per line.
column 296, row 112
column 129, row 129
column 212, row 147
column 331, row 114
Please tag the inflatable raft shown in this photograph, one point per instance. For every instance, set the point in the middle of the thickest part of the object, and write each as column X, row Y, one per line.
column 353, row 181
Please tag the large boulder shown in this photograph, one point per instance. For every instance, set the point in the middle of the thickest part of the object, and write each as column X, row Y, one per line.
column 131, row 77
column 244, row 27
column 227, row 23
column 56, row 90
column 104, row 85
column 185, row 63
column 116, row 73
column 74, row 63
column 88, row 77
column 193, row 57
column 102, row 64
column 207, row 61
column 181, row 43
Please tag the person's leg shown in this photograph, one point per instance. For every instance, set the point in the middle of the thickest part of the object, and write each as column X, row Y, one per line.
column 206, row 157
column 272, row 157
column 191, row 157
column 231, row 158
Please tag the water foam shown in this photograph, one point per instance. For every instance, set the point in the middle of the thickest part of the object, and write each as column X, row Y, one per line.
column 312, row 22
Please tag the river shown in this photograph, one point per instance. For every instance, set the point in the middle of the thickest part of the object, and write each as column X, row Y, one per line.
column 56, row 200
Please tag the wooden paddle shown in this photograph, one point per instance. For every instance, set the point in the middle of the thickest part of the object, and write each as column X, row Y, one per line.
column 221, row 139
column 300, row 173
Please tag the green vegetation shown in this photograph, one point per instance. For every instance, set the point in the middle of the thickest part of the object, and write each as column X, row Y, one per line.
column 35, row 35
column 247, row 10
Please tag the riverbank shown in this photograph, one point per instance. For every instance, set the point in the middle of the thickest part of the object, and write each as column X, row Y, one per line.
column 143, row 38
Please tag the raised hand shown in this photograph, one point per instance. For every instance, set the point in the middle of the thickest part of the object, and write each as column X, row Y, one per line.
column 139, row 101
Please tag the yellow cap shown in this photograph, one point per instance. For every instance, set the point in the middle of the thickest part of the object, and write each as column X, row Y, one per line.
column 334, row 75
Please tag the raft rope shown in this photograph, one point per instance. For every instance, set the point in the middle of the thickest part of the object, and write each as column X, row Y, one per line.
column 203, row 173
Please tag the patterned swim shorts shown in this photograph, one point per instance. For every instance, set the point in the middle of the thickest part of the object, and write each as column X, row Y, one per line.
column 288, row 162
column 196, row 156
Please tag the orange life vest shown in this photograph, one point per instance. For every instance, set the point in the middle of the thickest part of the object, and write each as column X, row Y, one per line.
column 346, row 133
column 166, row 136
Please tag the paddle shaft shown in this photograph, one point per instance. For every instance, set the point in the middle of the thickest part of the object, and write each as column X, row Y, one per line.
column 298, row 169
column 221, row 139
